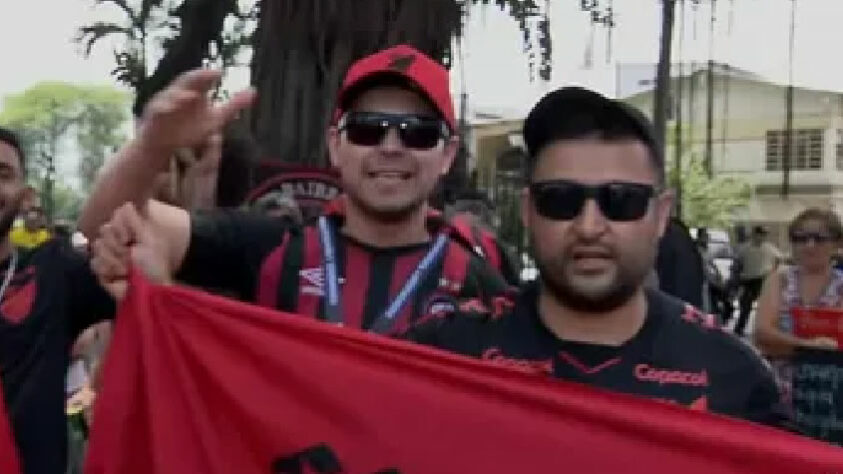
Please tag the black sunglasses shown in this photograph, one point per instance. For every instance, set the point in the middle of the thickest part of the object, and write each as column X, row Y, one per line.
column 816, row 237
column 415, row 131
column 563, row 200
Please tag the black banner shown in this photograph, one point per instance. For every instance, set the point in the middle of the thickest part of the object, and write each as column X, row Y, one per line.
column 312, row 188
column 818, row 394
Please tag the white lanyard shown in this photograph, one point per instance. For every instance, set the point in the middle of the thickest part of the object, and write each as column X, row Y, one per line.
column 333, row 309
column 10, row 272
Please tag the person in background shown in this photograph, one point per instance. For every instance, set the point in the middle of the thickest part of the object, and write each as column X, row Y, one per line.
column 811, row 282
column 472, row 219
column 48, row 296
column 757, row 258
column 34, row 232
column 679, row 266
column 282, row 207
column 716, row 295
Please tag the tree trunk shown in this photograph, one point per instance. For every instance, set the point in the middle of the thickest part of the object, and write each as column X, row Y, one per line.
column 201, row 23
column 660, row 104
column 303, row 49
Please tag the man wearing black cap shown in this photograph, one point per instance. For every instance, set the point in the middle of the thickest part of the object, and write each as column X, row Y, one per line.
column 377, row 260
column 595, row 207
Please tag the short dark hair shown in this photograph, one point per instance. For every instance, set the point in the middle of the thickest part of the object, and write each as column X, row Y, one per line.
column 572, row 113
column 10, row 138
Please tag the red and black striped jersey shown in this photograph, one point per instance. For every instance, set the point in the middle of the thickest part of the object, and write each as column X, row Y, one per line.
column 261, row 260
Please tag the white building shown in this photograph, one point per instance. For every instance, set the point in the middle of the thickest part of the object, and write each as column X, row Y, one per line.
column 748, row 140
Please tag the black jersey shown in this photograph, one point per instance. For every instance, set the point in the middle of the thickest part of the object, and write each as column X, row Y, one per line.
column 679, row 356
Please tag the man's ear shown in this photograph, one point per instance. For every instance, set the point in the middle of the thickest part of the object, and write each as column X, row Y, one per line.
column 664, row 209
column 332, row 140
column 452, row 147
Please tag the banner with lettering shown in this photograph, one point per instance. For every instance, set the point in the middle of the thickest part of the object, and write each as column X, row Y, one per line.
column 198, row 384
column 311, row 187
column 818, row 322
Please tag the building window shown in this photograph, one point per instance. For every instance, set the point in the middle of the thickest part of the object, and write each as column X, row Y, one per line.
column 838, row 150
column 806, row 149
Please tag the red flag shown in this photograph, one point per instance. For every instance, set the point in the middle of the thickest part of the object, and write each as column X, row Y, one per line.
column 818, row 322
column 199, row 384
column 9, row 462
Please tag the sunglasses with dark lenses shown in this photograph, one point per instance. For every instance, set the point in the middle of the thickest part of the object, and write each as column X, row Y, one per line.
column 415, row 131
column 618, row 201
column 816, row 237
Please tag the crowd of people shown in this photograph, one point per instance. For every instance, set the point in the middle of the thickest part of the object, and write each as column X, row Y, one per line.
column 380, row 259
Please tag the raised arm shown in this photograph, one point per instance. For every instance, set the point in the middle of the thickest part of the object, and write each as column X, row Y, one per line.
column 180, row 116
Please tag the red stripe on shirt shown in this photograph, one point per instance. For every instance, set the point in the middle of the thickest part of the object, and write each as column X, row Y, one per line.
column 358, row 263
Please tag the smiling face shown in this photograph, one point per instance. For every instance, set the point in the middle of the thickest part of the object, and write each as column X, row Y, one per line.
column 389, row 181
column 13, row 189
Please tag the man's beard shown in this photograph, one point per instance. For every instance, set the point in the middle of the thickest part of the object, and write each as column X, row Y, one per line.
column 618, row 292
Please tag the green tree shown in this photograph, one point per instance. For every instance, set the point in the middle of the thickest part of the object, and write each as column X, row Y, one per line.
column 99, row 130
column 51, row 115
column 162, row 38
column 302, row 48
column 709, row 201
column 67, row 202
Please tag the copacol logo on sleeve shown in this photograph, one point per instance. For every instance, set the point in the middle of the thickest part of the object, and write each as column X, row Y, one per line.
column 319, row 459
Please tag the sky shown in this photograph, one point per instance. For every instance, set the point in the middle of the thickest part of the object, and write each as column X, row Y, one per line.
column 36, row 44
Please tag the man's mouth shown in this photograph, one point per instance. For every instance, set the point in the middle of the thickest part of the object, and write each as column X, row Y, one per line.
column 390, row 175
column 591, row 259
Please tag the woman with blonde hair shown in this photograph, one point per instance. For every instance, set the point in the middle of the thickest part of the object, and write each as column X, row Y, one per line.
column 811, row 282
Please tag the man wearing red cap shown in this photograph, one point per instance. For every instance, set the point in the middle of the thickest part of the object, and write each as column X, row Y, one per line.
column 377, row 260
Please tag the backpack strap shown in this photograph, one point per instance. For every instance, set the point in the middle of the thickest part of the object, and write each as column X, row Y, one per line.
column 487, row 243
column 455, row 267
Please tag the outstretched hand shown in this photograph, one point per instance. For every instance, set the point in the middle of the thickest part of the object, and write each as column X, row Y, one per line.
column 183, row 115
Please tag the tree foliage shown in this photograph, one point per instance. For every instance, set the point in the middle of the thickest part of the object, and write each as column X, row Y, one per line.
column 50, row 115
column 163, row 38
column 709, row 201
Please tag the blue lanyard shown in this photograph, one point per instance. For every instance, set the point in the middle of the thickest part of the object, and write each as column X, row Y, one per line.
column 333, row 307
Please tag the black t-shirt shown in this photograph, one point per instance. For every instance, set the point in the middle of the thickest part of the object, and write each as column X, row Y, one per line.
column 52, row 297
column 228, row 250
column 678, row 356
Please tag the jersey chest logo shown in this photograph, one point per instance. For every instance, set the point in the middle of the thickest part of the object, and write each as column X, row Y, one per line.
column 312, row 281
column 17, row 302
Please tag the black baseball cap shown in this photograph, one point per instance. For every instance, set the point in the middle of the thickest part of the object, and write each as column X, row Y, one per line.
column 575, row 112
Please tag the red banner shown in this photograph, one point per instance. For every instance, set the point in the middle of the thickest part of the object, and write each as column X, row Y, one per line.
column 818, row 322
column 199, row 384
column 9, row 462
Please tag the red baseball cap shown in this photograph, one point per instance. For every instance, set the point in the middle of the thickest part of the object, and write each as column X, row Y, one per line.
column 428, row 77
